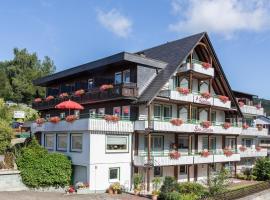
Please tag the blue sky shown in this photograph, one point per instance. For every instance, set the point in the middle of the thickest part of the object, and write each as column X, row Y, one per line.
column 74, row 32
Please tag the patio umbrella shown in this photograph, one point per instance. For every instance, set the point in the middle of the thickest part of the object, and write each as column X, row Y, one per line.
column 69, row 105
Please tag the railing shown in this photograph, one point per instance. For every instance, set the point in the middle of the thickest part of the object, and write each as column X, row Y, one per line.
column 250, row 152
column 92, row 95
column 195, row 98
column 197, row 66
column 252, row 110
column 253, row 131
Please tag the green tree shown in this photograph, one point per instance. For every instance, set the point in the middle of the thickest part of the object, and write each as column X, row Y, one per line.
column 262, row 169
column 218, row 182
column 5, row 136
column 17, row 76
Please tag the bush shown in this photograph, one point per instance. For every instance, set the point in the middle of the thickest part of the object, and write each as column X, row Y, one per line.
column 218, row 182
column 191, row 188
column 137, row 181
column 169, row 185
column 39, row 168
column 170, row 196
column 241, row 176
column 5, row 136
column 261, row 169
column 188, row 197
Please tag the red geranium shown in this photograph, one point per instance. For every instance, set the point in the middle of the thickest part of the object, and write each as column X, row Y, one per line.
column 49, row 98
column 227, row 152
column 258, row 106
column 63, row 95
column 206, row 65
column 105, row 87
column 111, row 118
column 174, row 155
column 184, row 91
column 71, row 189
column 55, row 119
column 79, row 92
column 241, row 104
column 245, row 126
column 205, row 153
column 226, row 125
column 224, row 99
column 206, row 124
column 71, row 118
column 37, row 100
column 40, row 121
column 176, row 122
column 206, row 95
column 242, row 148
column 258, row 148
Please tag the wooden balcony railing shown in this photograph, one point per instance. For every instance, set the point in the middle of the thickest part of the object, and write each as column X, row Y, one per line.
column 129, row 90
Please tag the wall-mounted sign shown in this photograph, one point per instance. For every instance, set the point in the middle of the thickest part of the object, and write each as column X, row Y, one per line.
column 19, row 115
column 202, row 100
column 199, row 129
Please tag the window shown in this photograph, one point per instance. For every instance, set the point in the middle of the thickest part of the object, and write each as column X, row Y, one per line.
column 214, row 116
column 118, row 78
column 92, row 112
column 247, row 142
column 183, row 169
column 117, row 111
column 157, row 111
column 157, row 171
column 62, row 142
column 126, row 112
column 194, row 113
column 212, row 143
column 77, row 113
column 230, row 143
column 156, row 143
column 47, row 116
column 90, row 83
column 167, row 112
column 183, row 142
column 114, row 174
column 62, row 115
column 126, row 76
column 76, row 142
column 101, row 111
column 49, row 141
column 116, row 143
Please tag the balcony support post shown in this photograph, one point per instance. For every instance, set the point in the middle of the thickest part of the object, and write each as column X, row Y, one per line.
column 209, row 114
column 136, row 141
column 176, row 172
column 188, row 175
column 208, row 142
column 196, row 143
column 190, row 81
column 189, row 144
column 189, row 111
column 148, row 132
column 235, row 148
column 208, row 174
column 195, row 172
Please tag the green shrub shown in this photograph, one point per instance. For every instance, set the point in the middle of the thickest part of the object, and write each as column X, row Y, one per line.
column 262, row 169
column 5, row 136
column 241, row 176
column 137, row 181
column 188, row 197
column 169, row 185
column 42, row 169
column 218, row 182
column 170, row 196
column 191, row 188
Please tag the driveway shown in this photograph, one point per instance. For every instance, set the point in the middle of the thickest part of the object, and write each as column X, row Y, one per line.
column 29, row 195
column 263, row 195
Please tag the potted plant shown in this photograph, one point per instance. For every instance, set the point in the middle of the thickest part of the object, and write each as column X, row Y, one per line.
column 184, row 91
column 49, row 98
column 242, row 148
column 176, row 122
column 156, row 186
column 79, row 92
column 105, row 87
column 174, row 155
column 110, row 190
column 116, row 187
column 70, row 190
column 205, row 124
column 205, row 153
column 55, row 119
column 37, row 100
column 223, row 99
column 206, row 65
column 206, row 95
column 245, row 126
column 227, row 152
column 258, row 148
column 112, row 118
column 226, row 125
column 71, row 118
column 137, row 183
column 63, row 95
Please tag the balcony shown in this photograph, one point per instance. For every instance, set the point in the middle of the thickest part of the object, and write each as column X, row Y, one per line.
column 163, row 159
column 250, row 152
column 85, row 124
column 253, row 110
column 197, row 66
column 187, row 127
column 92, row 95
column 253, row 131
column 195, row 98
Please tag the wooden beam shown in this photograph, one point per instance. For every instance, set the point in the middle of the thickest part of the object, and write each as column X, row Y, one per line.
column 136, row 145
column 195, row 172
column 189, row 144
column 149, row 146
column 176, row 172
column 188, row 175
column 196, row 143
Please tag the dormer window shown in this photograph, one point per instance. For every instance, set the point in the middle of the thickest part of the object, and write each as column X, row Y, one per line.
column 118, row 78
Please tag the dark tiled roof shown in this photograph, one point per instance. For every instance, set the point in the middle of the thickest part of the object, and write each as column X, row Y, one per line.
column 174, row 53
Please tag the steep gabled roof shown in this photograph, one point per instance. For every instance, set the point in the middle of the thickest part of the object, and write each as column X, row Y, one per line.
column 173, row 53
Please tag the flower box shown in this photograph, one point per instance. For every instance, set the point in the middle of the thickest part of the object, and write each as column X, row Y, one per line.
column 38, row 100
column 176, row 122
column 205, row 153
column 184, row 91
column 206, row 124
column 40, row 121
column 206, row 65
column 245, row 126
column 112, row 118
column 227, row 152
column 226, row 125
column 241, row 104
column 49, row 98
column 71, row 118
column 79, row 92
column 55, row 119
column 258, row 148
column 242, row 148
column 63, row 95
column 206, row 95
column 223, row 99
column 174, row 155
column 105, row 87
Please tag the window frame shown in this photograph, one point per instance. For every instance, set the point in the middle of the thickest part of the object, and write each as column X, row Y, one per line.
column 121, row 78
column 108, row 151
column 53, row 141
column 76, row 150
column 126, row 116
column 57, row 142
column 120, row 111
column 185, row 171
column 124, row 76
column 161, row 171
column 90, row 112
column 98, row 112
column 118, row 175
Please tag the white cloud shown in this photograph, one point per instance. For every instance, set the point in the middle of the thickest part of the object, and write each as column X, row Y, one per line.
column 224, row 17
column 115, row 22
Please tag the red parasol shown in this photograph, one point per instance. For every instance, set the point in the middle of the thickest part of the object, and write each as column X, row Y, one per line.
column 69, row 105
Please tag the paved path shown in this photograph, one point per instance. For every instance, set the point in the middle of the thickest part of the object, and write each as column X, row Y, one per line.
column 264, row 195
column 26, row 195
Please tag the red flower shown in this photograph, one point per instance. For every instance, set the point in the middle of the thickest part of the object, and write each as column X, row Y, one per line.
column 206, row 95
column 245, row 126
column 226, row 125
column 37, row 100
column 174, row 155
column 111, row 118
column 105, row 87
column 206, row 65
column 242, row 148
column 55, row 119
column 206, row 124
column 40, row 121
column 205, row 153
column 184, row 91
column 49, row 98
column 79, row 92
column 63, row 95
column 241, row 104
column 71, row 118
column 258, row 148
column 71, row 189
column 117, row 110
column 126, row 110
column 227, row 152
column 224, row 99
column 176, row 122
column 258, row 106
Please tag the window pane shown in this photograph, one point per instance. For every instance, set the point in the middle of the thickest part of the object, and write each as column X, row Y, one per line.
column 117, row 143
column 205, row 143
column 157, row 171
column 157, row 111
column 49, row 141
column 126, row 111
column 76, row 141
column 167, row 112
column 114, row 174
column 61, row 141
column 117, row 111
column 183, row 143
column 118, row 78
column 101, row 111
column 126, row 76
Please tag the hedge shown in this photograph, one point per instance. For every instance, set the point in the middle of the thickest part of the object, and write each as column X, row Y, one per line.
column 39, row 168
